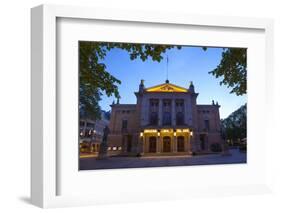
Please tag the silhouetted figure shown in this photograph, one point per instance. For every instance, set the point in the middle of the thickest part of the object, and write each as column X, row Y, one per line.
column 103, row 145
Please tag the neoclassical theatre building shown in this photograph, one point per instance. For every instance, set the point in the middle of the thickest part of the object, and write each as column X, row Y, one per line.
column 166, row 120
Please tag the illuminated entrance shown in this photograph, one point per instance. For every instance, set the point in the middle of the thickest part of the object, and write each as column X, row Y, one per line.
column 157, row 141
column 166, row 144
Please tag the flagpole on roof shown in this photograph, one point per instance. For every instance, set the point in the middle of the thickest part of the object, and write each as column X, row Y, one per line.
column 167, row 69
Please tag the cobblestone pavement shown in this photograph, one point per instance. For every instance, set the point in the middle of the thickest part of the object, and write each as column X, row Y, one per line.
column 136, row 162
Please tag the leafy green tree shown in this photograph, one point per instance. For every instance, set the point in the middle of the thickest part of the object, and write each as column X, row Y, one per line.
column 235, row 125
column 233, row 70
column 96, row 79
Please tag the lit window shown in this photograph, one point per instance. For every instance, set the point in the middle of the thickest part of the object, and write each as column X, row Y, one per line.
column 114, row 148
column 109, row 148
column 119, row 148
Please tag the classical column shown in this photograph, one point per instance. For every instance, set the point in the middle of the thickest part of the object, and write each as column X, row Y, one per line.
column 172, row 143
column 185, row 111
column 161, row 144
column 144, row 144
column 173, row 113
column 175, row 144
column 141, row 144
column 189, row 143
column 186, row 143
column 192, row 143
column 146, row 111
column 160, row 114
column 158, row 145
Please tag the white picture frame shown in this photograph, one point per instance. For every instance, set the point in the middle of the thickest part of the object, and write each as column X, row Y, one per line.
column 45, row 171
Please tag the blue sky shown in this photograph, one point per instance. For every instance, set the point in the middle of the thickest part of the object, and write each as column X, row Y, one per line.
column 185, row 65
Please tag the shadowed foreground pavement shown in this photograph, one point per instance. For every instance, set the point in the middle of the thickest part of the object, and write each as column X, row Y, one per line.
column 136, row 162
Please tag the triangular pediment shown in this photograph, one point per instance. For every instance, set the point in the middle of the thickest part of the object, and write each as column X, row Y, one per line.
column 167, row 87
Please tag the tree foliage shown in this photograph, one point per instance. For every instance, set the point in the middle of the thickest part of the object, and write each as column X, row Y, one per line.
column 235, row 125
column 94, row 76
column 95, row 79
column 233, row 70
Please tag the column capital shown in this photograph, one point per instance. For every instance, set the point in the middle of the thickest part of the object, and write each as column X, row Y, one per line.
column 160, row 114
column 173, row 112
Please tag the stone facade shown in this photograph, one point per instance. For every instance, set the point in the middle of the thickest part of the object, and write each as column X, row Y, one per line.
column 166, row 120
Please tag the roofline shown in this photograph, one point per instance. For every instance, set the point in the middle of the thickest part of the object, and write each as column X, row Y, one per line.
column 128, row 105
column 207, row 105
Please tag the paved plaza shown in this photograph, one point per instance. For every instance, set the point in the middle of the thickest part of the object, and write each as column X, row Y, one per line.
column 160, row 161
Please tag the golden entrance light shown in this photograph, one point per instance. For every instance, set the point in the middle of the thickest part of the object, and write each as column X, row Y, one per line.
column 175, row 133
column 150, row 130
column 166, row 130
column 158, row 134
column 182, row 130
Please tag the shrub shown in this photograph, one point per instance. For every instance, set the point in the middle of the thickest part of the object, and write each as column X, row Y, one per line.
column 243, row 148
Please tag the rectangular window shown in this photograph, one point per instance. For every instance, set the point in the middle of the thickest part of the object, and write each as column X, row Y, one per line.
column 153, row 118
column 207, row 125
column 124, row 124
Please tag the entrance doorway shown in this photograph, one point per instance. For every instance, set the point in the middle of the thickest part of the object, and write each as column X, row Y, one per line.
column 166, row 144
column 203, row 141
column 152, row 144
column 180, row 144
column 129, row 143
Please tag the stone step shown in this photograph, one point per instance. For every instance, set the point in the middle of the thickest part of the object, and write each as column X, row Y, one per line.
column 167, row 154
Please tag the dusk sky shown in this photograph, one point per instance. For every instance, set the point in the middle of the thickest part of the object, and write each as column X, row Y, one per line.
column 185, row 65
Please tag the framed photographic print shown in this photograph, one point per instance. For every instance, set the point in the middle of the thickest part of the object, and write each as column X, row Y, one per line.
column 149, row 106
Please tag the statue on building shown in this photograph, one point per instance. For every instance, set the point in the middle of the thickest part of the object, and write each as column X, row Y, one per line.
column 191, row 87
column 141, row 87
column 103, row 145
